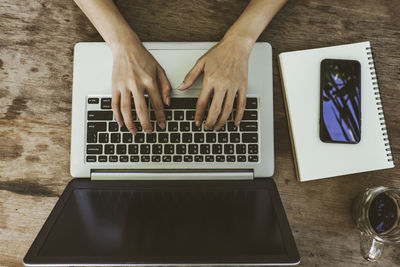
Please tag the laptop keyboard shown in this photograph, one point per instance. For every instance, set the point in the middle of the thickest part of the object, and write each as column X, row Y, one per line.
column 180, row 141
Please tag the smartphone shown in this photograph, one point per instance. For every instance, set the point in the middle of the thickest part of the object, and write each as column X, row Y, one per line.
column 340, row 104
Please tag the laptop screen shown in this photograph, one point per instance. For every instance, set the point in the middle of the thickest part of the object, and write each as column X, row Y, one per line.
column 160, row 224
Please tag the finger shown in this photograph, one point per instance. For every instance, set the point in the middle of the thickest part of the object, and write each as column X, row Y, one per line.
column 157, row 105
column 126, row 110
column 192, row 75
column 165, row 86
column 116, row 95
column 142, row 111
column 227, row 109
column 202, row 103
column 240, row 106
column 215, row 108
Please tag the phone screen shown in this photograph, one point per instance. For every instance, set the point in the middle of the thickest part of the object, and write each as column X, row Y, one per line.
column 340, row 108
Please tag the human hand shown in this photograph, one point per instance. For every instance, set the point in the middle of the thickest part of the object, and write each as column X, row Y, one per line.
column 135, row 71
column 225, row 68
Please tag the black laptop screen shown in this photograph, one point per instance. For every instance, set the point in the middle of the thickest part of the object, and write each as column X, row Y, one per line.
column 161, row 223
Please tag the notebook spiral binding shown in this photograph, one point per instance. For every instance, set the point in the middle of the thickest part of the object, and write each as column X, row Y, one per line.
column 378, row 102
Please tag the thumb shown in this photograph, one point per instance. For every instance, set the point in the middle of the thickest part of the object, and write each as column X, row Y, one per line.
column 192, row 75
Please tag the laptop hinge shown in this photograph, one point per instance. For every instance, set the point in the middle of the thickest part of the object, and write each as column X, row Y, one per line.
column 172, row 175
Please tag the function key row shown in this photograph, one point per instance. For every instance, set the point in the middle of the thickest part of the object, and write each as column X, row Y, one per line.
column 175, row 103
column 176, row 158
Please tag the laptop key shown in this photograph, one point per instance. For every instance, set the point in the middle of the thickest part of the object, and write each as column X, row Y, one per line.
column 139, row 138
column 123, row 129
column 102, row 158
column 151, row 138
column 241, row 158
column 204, row 149
column 93, row 100
column 196, row 128
column 156, row 149
column 248, row 126
column 159, row 129
column 234, row 137
column 193, row 149
column 91, row 159
column 188, row 158
column 211, row 138
column 91, row 137
column 169, row 149
column 180, row 149
column 232, row 127
column 251, row 103
column 109, row 149
column 144, row 149
column 168, row 115
column 198, row 158
column 177, row 158
column 145, row 158
column 240, row 149
column 253, row 149
column 138, row 126
column 249, row 137
column 121, row 149
column 133, row 149
column 94, row 149
column 152, row 115
column 106, row 103
column 199, row 138
column 229, row 149
column 115, row 138
column 209, row 158
column 222, row 138
column 217, row 149
column 134, row 158
column 155, row 158
column 182, row 103
column 113, row 158
column 179, row 115
column 187, row 138
column 166, row 158
column 184, row 126
column 127, row 138
column 103, row 137
column 253, row 158
column 100, row 115
column 113, row 126
column 172, row 126
column 230, row 158
column 175, row 138
column 163, row 137
column 190, row 114
column 250, row 115
column 96, row 126
column 123, row 158
column 220, row 158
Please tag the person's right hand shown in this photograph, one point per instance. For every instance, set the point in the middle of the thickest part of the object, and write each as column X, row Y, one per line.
column 135, row 71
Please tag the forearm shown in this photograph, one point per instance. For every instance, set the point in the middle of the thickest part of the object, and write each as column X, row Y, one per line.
column 108, row 21
column 254, row 20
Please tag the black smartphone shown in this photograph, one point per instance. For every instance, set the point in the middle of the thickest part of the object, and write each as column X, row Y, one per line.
column 340, row 104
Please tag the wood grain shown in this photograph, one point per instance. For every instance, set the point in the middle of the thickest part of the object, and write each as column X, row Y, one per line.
column 36, row 44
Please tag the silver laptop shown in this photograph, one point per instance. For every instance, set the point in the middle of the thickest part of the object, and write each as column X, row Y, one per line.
column 216, row 177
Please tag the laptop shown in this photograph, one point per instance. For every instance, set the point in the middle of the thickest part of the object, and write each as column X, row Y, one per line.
column 179, row 196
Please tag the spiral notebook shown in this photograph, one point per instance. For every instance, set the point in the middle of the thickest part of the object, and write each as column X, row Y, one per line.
column 300, row 73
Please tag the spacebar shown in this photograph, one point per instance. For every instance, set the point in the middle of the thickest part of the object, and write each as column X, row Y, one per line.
column 182, row 103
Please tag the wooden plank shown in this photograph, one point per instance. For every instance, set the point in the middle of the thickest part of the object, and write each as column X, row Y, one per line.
column 36, row 44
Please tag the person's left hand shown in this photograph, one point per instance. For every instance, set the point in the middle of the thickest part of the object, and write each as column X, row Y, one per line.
column 225, row 69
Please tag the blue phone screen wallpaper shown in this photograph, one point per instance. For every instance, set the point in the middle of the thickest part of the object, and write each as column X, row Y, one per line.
column 341, row 101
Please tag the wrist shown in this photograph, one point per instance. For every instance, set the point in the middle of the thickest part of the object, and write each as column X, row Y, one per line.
column 123, row 41
column 242, row 40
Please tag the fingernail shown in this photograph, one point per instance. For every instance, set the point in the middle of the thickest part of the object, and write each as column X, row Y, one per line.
column 197, row 123
column 162, row 125
column 206, row 127
column 132, row 131
column 149, row 131
column 168, row 100
column 180, row 86
column 119, row 124
column 237, row 123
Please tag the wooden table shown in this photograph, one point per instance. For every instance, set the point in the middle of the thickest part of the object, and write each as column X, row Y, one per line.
column 36, row 52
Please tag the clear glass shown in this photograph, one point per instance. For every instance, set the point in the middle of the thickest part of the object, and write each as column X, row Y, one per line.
column 376, row 212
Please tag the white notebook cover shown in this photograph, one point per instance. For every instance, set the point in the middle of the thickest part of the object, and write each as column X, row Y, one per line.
column 300, row 72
